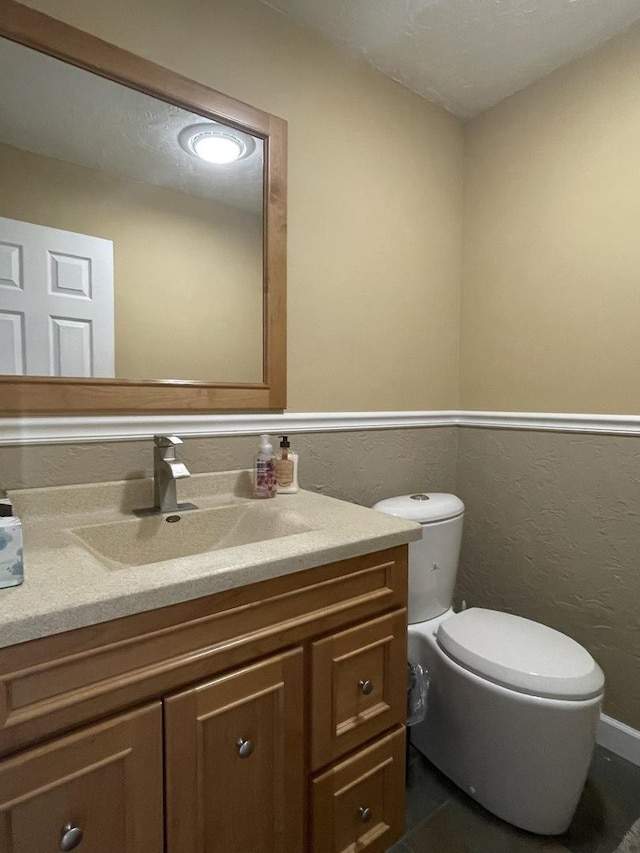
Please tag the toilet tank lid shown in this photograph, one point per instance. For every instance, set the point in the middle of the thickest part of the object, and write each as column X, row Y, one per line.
column 520, row 654
column 424, row 507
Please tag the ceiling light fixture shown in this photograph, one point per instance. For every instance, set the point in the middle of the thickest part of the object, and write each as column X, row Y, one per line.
column 216, row 143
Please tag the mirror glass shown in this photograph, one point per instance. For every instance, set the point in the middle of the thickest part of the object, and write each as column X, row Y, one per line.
column 123, row 253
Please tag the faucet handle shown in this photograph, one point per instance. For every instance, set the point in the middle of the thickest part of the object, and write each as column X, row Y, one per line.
column 166, row 440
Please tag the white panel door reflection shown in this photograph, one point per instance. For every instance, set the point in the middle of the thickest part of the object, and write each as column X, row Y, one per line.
column 56, row 302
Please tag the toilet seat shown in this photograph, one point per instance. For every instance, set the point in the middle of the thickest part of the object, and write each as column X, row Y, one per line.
column 520, row 654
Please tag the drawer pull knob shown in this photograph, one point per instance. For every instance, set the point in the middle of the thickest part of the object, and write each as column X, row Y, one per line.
column 245, row 747
column 71, row 837
column 365, row 814
column 366, row 687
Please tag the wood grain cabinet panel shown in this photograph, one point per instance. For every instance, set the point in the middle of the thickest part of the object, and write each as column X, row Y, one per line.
column 235, row 761
column 358, row 805
column 359, row 679
column 104, row 781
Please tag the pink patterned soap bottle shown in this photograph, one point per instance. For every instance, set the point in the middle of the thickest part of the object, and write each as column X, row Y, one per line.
column 265, row 471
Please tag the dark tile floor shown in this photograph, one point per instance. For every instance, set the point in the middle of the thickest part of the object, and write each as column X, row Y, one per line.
column 442, row 819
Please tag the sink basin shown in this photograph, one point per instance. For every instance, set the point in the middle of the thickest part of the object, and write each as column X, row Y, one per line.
column 155, row 539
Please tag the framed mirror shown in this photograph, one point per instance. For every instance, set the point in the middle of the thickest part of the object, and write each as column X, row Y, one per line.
column 142, row 233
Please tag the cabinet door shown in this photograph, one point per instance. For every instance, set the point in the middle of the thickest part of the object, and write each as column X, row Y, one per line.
column 235, row 761
column 358, row 805
column 99, row 789
column 359, row 685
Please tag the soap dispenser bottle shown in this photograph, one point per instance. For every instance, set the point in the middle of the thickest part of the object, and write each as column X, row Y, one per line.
column 265, row 470
column 286, row 468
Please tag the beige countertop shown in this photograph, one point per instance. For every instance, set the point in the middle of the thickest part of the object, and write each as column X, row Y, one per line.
column 69, row 585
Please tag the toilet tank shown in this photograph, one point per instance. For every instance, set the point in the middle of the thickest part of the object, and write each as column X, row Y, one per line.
column 433, row 560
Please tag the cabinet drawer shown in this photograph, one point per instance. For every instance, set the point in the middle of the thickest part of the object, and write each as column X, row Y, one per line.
column 359, row 685
column 104, row 782
column 358, row 805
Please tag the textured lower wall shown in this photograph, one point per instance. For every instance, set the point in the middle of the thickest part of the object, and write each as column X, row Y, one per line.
column 361, row 467
column 552, row 532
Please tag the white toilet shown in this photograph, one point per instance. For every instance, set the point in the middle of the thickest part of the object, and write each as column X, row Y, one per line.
column 512, row 705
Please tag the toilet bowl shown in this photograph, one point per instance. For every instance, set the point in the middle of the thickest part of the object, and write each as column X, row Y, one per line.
column 513, row 705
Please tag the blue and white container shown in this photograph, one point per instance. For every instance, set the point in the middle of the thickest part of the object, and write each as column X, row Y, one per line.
column 11, row 565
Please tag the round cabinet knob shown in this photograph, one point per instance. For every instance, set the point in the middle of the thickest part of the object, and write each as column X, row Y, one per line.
column 366, row 687
column 365, row 814
column 71, row 837
column 245, row 747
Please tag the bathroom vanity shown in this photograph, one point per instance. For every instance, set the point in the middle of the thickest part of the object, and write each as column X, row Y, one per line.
column 249, row 698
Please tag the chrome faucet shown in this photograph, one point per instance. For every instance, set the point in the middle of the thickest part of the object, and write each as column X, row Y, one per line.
column 166, row 470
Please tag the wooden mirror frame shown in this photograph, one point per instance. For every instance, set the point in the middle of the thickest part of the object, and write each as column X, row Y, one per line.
column 66, row 395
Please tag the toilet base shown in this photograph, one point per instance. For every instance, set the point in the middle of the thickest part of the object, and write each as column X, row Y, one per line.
column 524, row 758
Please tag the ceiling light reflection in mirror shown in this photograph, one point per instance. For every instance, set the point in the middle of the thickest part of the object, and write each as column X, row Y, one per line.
column 215, row 143
column 84, row 157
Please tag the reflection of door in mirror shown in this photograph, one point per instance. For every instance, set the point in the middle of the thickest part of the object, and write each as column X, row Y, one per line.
column 56, row 302
column 83, row 154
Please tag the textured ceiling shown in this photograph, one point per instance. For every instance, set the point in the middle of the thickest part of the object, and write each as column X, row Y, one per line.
column 51, row 108
column 465, row 54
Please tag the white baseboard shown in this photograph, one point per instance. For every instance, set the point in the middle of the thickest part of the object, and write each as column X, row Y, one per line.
column 619, row 738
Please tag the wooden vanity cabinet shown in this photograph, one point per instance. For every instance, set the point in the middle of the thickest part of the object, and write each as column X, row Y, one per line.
column 264, row 719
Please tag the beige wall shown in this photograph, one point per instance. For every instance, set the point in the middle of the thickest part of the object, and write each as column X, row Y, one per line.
column 551, row 322
column 551, row 303
column 375, row 196
column 176, row 315
column 550, row 307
